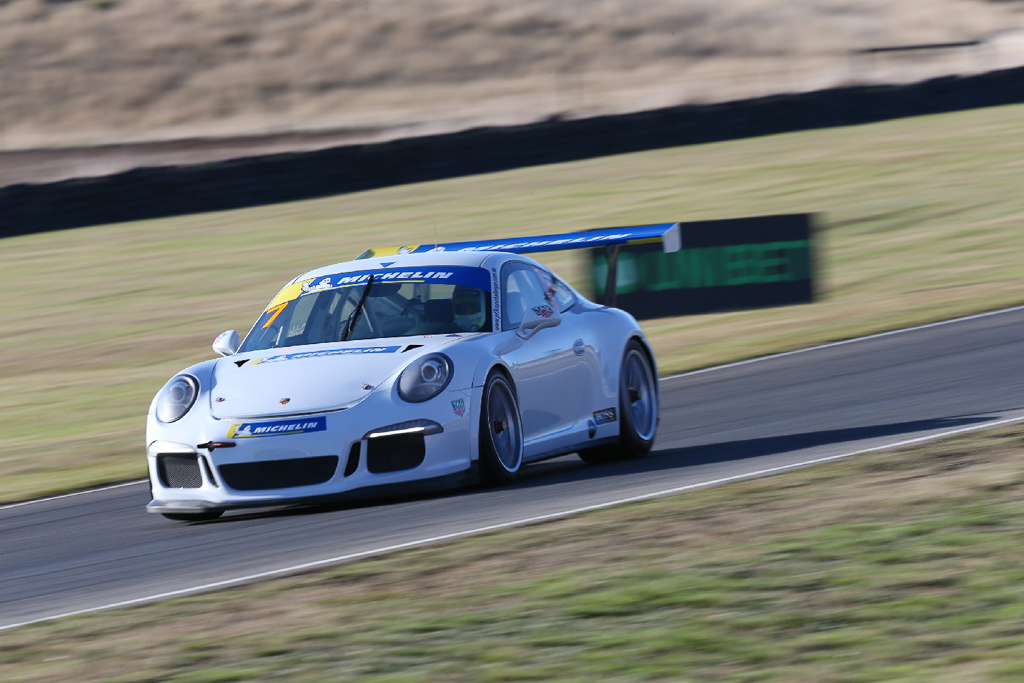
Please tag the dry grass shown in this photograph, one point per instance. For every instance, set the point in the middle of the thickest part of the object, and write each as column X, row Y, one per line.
column 89, row 71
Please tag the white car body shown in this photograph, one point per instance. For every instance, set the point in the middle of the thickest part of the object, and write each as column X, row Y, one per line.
column 324, row 421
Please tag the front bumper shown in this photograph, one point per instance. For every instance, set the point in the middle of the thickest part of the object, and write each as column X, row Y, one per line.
column 378, row 443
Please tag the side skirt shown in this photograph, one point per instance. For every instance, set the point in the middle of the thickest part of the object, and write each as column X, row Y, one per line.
column 554, row 453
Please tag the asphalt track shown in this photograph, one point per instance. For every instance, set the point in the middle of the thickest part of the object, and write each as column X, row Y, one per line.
column 100, row 549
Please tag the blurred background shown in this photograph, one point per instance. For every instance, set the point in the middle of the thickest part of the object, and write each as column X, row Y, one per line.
column 200, row 80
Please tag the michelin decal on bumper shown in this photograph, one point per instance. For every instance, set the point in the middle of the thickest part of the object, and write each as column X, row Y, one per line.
column 245, row 430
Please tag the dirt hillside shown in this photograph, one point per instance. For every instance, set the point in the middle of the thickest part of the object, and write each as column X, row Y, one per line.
column 300, row 74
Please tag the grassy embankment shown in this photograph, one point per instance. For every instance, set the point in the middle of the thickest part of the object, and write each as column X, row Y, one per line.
column 920, row 220
column 111, row 71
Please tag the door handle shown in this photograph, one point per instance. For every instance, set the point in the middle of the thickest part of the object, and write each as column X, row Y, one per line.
column 579, row 348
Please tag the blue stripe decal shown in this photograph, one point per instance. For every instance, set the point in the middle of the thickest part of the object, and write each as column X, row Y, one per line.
column 357, row 351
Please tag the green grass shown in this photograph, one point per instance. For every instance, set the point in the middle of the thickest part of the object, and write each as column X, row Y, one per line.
column 920, row 220
column 902, row 565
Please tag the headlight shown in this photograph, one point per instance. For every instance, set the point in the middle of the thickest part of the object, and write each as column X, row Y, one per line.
column 176, row 398
column 425, row 378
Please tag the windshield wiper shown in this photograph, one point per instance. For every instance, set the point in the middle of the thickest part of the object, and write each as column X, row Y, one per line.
column 350, row 322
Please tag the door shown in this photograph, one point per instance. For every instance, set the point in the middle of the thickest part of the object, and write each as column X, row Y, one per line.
column 552, row 382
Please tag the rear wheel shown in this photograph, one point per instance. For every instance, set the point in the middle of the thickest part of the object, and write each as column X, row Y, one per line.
column 501, row 432
column 638, row 409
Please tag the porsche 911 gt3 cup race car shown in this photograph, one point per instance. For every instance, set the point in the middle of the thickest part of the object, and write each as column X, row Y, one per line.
column 406, row 366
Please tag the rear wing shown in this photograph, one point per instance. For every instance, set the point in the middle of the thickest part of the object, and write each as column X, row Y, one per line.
column 610, row 238
column 666, row 233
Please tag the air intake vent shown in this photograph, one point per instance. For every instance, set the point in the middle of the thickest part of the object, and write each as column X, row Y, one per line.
column 353, row 460
column 279, row 474
column 179, row 471
column 394, row 453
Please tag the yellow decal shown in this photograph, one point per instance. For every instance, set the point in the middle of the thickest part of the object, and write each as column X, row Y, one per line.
column 289, row 293
column 389, row 251
column 277, row 311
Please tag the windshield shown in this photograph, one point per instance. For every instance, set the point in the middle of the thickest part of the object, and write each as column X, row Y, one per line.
column 398, row 303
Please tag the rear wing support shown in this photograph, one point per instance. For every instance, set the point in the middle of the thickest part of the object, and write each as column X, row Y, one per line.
column 611, row 279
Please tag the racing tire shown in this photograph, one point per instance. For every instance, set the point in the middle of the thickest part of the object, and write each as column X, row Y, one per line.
column 501, row 432
column 193, row 516
column 638, row 409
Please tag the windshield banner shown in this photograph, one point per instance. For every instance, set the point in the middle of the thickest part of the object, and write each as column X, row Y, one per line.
column 466, row 276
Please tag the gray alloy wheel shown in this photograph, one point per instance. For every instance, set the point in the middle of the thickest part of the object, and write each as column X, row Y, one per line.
column 638, row 409
column 639, row 399
column 501, row 432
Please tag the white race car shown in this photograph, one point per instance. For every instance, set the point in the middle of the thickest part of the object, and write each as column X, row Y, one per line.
column 404, row 366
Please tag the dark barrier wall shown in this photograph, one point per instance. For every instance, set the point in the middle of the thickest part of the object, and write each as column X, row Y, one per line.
column 152, row 193
column 723, row 265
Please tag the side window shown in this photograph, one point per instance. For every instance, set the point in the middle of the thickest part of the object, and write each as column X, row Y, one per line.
column 513, row 296
column 556, row 292
column 523, row 286
column 520, row 289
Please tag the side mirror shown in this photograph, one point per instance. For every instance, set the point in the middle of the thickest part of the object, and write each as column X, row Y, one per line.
column 227, row 343
column 536, row 318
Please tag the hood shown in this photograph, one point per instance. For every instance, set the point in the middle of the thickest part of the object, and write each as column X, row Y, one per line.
column 310, row 379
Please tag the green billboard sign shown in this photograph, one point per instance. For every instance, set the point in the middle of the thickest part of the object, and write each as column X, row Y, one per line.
column 722, row 265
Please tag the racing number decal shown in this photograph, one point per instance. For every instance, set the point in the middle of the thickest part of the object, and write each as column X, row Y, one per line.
column 277, row 311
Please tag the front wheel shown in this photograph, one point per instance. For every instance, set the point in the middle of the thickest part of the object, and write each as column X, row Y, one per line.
column 501, row 432
column 638, row 409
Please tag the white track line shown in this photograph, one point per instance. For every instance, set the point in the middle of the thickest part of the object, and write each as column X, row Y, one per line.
column 844, row 342
column 663, row 379
column 340, row 559
column 70, row 495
